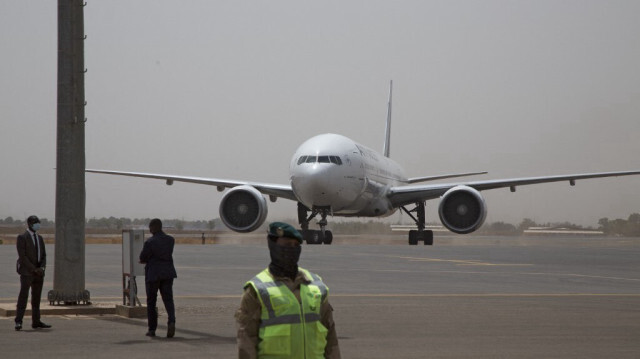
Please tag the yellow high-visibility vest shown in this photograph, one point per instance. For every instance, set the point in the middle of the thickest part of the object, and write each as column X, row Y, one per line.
column 288, row 328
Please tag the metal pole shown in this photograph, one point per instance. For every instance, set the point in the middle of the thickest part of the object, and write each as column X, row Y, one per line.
column 69, row 272
column 132, row 274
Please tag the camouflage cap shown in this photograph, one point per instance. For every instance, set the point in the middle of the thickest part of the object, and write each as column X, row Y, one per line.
column 281, row 229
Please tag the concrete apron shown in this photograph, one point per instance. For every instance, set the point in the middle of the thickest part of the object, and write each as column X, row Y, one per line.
column 9, row 310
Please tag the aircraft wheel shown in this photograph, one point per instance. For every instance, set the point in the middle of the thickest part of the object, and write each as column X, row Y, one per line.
column 413, row 237
column 313, row 237
column 309, row 236
column 428, row 238
column 328, row 237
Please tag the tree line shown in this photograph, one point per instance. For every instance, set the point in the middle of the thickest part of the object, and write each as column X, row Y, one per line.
column 620, row 227
column 10, row 221
column 118, row 223
column 629, row 227
column 179, row 224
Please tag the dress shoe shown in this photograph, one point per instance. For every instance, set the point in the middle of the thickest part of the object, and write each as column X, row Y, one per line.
column 40, row 325
column 18, row 325
column 171, row 330
column 151, row 333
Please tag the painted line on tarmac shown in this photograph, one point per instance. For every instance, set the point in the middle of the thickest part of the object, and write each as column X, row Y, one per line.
column 511, row 273
column 583, row 276
column 488, row 295
column 597, row 277
column 466, row 262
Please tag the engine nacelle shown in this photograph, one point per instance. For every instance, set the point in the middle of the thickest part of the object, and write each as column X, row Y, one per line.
column 462, row 209
column 243, row 209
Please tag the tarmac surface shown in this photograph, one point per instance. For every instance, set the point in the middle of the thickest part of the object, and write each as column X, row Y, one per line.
column 465, row 297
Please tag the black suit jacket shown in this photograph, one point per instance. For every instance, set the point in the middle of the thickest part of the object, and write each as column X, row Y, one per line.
column 28, row 254
column 157, row 254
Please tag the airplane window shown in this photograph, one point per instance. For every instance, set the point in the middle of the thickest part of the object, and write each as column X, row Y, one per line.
column 321, row 159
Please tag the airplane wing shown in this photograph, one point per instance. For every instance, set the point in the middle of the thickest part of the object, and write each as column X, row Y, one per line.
column 403, row 195
column 273, row 190
column 433, row 178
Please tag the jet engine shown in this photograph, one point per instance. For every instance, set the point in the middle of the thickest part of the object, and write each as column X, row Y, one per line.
column 243, row 209
column 462, row 209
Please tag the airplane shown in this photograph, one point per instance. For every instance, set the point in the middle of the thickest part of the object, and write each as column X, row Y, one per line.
column 332, row 175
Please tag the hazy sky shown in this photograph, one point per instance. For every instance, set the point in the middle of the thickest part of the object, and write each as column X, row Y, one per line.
column 229, row 89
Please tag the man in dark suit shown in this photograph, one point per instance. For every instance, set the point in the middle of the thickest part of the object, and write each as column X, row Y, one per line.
column 159, row 272
column 32, row 260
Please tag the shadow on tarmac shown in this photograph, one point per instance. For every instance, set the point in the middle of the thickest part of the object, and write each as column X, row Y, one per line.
column 199, row 336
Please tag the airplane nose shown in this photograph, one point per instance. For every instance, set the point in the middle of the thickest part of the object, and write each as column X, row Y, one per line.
column 312, row 184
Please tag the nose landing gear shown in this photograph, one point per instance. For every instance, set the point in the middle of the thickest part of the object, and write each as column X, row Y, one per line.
column 314, row 236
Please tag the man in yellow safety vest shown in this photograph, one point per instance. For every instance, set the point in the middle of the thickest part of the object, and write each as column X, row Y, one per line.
column 285, row 310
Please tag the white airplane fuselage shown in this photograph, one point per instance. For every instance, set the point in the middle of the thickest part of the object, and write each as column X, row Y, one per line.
column 333, row 172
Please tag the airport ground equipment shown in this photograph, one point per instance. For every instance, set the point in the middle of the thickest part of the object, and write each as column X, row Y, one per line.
column 132, row 243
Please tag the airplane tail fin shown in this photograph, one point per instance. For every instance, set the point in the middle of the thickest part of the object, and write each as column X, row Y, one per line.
column 387, row 131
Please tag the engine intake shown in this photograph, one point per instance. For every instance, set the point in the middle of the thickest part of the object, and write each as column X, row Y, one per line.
column 243, row 209
column 462, row 209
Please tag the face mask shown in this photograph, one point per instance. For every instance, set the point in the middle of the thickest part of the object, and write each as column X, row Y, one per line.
column 284, row 260
column 35, row 227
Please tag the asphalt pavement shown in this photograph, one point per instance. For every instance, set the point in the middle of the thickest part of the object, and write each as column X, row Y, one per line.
column 465, row 297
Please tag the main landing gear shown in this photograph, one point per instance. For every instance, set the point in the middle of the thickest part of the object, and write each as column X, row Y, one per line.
column 421, row 234
column 314, row 236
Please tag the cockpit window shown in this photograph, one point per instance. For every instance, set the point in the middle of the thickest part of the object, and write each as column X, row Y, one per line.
column 320, row 159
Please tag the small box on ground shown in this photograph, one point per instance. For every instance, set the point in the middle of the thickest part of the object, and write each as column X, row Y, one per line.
column 131, row 312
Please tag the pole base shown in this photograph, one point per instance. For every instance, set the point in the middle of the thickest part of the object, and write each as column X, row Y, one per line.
column 59, row 298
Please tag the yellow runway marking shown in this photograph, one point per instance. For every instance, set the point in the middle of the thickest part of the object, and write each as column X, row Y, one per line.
column 515, row 273
column 462, row 262
column 583, row 276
